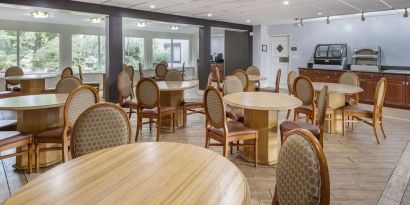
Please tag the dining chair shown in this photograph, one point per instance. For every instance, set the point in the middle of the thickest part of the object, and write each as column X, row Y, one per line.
column 67, row 85
column 96, row 85
column 148, row 97
column 302, row 174
column 129, row 70
column 67, row 71
column 243, row 76
column 126, row 99
column 101, row 126
column 277, row 84
column 77, row 101
column 160, row 71
column 14, row 139
column 292, row 75
column 361, row 111
column 183, row 69
column 223, row 131
column 254, row 70
column 173, row 75
column 350, row 78
column 209, row 80
column 303, row 89
column 317, row 128
column 218, row 80
column 140, row 70
column 165, row 63
column 13, row 85
column 232, row 84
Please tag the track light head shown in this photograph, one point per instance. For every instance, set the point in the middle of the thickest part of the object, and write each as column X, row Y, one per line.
column 328, row 20
column 406, row 13
column 363, row 17
column 301, row 22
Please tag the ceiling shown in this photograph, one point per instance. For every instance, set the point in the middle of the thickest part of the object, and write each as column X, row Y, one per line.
column 265, row 12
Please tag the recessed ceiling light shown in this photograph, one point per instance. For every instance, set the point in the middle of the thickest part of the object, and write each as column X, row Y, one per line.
column 141, row 24
column 286, row 2
column 97, row 20
column 40, row 14
column 209, row 14
column 174, row 27
column 248, row 21
column 320, row 13
column 152, row 6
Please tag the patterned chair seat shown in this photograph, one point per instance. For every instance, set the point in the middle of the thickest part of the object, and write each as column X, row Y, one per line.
column 267, row 89
column 358, row 109
column 236, row 114
column 130, row 104
column 9, row 137
column 288, row 126
column 154, row 111
column 53, row 134
column 234, row 129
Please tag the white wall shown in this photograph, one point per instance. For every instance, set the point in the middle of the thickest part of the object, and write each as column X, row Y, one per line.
column 217, row 44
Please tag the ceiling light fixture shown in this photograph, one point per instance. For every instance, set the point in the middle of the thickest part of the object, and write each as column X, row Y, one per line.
column 209, row 14
column 286, row 2
column 152, row 6
column 406, row 13
column 40, row 14
column 320, row 13
column 301, row 22
column 248, row 21
column 174, row 27
column 363, row 17
column 328, row 20
column 141, row 24
column 97, row 20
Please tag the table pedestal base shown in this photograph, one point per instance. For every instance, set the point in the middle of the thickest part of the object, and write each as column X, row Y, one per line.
column 334, row 113
column 174, row 99
column 266, row 122
column 33, row 86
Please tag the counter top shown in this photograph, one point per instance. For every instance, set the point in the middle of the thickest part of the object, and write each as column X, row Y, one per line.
column 402, row 72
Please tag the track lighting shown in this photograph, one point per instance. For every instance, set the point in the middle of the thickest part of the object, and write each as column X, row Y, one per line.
column 40, row 14
column 301, row 22
column 363, row 17
column 406, row 13
column 328, row 20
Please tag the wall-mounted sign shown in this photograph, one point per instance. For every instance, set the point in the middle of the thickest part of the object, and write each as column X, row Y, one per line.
column 294, row 48
column 264, row 48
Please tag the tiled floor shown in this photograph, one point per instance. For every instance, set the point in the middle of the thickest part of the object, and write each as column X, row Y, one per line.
column 359, row 168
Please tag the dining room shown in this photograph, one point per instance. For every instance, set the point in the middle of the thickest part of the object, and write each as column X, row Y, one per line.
column 197, row 102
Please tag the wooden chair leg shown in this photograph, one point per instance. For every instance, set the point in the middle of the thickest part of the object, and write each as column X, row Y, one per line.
column 225, row 150
column 30, row 157
column 231, row 147
column 256, row 152
column 64, row 152
column 173, row 122
column 185, row 112
column 343, row 123
column 139, row 126
column 382, row 127
column 237, row 147
column 295, row 115
column 207, row 140
column 158, row 128
column 287, row 115
column 375, row 131
column 37, row 157
column 150, row 125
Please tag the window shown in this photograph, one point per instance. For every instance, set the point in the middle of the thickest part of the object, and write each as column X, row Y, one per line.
column 133, row 51
column 8, row 49
column 88, row 51
column 161, row 50
column 39, row 51
column 181, row 52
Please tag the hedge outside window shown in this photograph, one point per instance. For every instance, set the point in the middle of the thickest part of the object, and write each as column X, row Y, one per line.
column 134, row 51
column 8, row 49
column 88, row 51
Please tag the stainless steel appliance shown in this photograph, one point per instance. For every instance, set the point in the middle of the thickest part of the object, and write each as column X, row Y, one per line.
column 366, row 59
column 330, row 56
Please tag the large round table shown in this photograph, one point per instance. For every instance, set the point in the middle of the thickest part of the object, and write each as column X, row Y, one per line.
column 32, row 83
column 336, row 102
column 143, row 173
column 261, row 113
column 252, row 81
column 172, row 94
column 36, row 113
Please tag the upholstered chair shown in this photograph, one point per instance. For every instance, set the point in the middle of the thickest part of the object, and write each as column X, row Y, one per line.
column 140, row 70
column 302, row 174
column 14, row 139
column 160, row 71
column 101, row 126
column 67, row 85
column 277, row 84
column 79, row 100
column 351, row 78
column 233, row 84
column 129, row 70
column 358, row 112
column 124, row 86
column 223, row 131
column 13, row 85
column 96, row 85
column 173, row 75
column 316, row 129
column 253, row 70
column 292, row 75
column 67, row 71
column 148, row 96
column 303, row 89
column 243, row 76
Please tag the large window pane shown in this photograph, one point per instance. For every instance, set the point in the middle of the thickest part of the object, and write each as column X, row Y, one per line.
column 181, row 52
column 39, row 51
column 161, row 50
column 134, row 51
column 8, row 49
column 88, row 52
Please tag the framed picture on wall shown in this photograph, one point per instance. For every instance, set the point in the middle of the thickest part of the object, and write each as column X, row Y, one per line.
column 264, row 48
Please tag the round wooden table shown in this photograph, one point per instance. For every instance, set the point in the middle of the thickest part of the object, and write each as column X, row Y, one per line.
column 36, row 113
column 143, row 173
column 336, row 102
column 172, row 94
column 261, row 113
column 252, row 81
column 32, row 83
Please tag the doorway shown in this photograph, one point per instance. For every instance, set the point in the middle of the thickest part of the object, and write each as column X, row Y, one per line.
column 278, row 59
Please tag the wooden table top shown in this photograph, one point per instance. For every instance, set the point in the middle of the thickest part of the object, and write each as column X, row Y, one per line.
column 262, row 100
column 337, row 88
column 31, row 77
column 33, row 102
column 176, row 85
column 142, row 173
column 256, row 77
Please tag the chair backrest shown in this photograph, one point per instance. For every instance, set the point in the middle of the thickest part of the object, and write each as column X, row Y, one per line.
column 124, row 86
column 101, row 126
column 67, row 71
column 140, row 70
column 292, row 75
column 161, row 71
column 277, row 82
column 253, row 70
column 165, row 63
column 174, row 75
column 13, row 71
column 243, row 76
column 214, row 108
column 350, row 78
column 322, row 101
column 148, row 95
column 303, row 89
column 218, row 77
column 232, row 84
column 79, row 100
column 302, row 175
column 68, row 84
column 209, row 80
column 129, row 70
column 379, row 96
column 183, row 69
column 80, row 73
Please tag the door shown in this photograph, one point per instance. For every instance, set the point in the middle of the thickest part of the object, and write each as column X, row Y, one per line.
column 278, row 59
column 238, row 51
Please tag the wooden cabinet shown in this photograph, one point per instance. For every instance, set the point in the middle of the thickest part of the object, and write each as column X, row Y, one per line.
column 408, row 91
column 362, row 85
column 396, row 89
column 221, row 68
column 370, row 81
column 320, row 76
column 308, row 73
